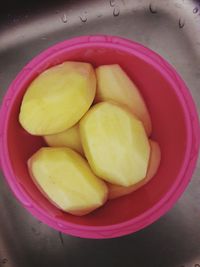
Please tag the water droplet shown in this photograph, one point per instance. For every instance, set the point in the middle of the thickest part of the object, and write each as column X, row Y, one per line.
column 15, row 20
column 116, row 12
column 112, row 3
column 123, row 2
column 4, row 260
column 61, row 238
column 181, row 23
column 152, row 9
column 35, row 231
column 195, row 10
column 64, row 18
column 83, row 18
column 177, row 5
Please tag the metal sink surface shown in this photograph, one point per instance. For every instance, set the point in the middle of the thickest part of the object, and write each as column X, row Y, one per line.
column 171, row 28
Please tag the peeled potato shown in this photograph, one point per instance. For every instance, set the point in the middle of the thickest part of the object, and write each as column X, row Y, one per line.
column 114, row 84
column 115, row 144
column 116, row 191
column 58, row 98
column 66, row 180
column 69, row 138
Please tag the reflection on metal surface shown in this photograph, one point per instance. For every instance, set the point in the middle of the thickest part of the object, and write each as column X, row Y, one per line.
column 171, row 28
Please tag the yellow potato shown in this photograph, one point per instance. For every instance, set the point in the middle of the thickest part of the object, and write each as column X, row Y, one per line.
column 69, row 138
column 114, row 84
column 116, row 191
column 115, row 144
column 66, row 180
column 58, row 98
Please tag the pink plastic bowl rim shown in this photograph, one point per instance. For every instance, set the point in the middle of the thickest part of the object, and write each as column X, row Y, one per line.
column 187, row 168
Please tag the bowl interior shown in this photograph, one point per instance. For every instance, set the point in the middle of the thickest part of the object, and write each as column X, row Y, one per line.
column 169, row 129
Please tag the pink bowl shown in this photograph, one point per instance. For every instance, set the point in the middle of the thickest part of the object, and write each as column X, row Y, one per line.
column 175, row 127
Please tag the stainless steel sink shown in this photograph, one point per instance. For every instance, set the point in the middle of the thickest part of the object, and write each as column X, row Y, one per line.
column 171, row 28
